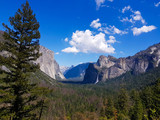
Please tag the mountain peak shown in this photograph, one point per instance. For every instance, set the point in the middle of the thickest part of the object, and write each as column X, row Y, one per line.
column 111, row 67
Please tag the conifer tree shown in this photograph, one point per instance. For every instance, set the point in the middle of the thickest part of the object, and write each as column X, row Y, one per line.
column 110, row 109
column 156, row 99
column 17, row 99
column 122, row 103
column 137, row 108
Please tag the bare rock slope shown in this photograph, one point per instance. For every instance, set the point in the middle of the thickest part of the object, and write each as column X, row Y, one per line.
column 48, row 64
column 111, row 67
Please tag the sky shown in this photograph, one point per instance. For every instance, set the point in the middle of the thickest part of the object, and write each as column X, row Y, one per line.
column 79, row 31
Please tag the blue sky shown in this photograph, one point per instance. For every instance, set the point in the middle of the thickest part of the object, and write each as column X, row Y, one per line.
column 82, row 30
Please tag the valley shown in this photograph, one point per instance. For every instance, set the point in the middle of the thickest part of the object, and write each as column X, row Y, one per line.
column 80, row 60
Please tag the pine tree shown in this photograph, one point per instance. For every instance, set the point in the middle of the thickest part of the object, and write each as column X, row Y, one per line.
column 137, row 108
column 17, row 99
column 122, row 103
column 110, row 109
column 156, row 99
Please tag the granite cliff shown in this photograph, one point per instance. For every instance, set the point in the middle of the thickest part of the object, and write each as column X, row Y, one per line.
column 111, row 67
column 48, row 64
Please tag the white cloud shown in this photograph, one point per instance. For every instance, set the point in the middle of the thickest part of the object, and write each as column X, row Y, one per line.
column 126, row 8
column 111, row 40
column 95, row 24
column 157, row 4
column 126, row 19
column 117, row 31
column 87, row 42
column 70, row 50
column 113, row 30
column 107, row 30
column 137, row 17
column 99, row 3
column 57, row 53
column 66, row 39
column 144, row 29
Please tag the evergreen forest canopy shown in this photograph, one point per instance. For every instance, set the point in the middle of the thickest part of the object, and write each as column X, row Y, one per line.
column 26, row 93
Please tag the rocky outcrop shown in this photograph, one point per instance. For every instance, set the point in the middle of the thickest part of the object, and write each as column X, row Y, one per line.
column 48, row 65
column 111, row 67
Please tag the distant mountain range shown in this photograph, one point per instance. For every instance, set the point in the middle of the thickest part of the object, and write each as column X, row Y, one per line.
column 75, row 72
column 65, row 69
column 107, row 67
column 111, row 67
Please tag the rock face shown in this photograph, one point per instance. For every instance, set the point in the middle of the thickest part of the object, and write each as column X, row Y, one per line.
column 48, row 65
column 111, row 67
column 76, row 72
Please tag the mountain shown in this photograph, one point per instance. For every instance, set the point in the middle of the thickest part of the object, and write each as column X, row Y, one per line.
column 111, row 67
column 64, row 69
column 76, row 72
column 47, row 62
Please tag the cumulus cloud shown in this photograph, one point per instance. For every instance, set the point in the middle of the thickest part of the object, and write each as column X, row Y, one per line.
column 70, row 50
column 95, row 23
column 66, row 39
column 87, row 42
column 157, row 4
column 144, row 29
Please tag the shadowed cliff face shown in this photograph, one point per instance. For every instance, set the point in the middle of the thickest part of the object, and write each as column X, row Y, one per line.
column 76, row 72
column 110, row 67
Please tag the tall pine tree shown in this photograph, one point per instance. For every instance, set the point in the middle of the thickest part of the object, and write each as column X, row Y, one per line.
column 17, row 99
column 156, row 99
column 122, row 101
column 137, row 107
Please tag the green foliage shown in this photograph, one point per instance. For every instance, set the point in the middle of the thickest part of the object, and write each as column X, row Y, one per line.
column 71, row 101
column 122, row 101
column 137, row 107
column 109, row 111
column 156, row 99
column 18, row 99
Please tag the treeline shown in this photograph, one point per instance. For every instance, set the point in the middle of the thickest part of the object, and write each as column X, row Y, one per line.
column 78, row 103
